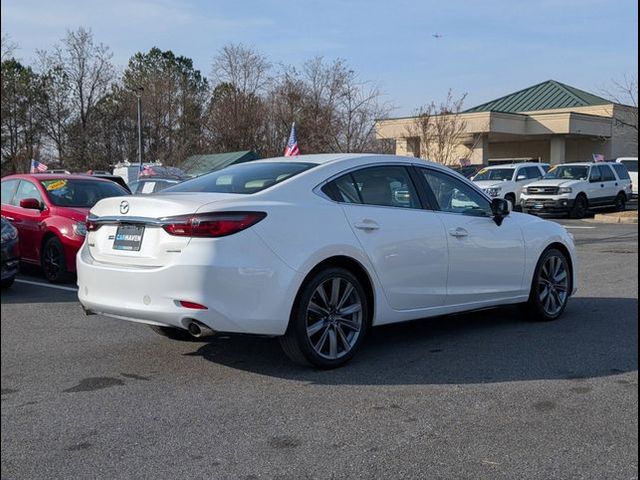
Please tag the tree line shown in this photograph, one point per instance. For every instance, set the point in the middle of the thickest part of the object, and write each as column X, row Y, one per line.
column 72, row 108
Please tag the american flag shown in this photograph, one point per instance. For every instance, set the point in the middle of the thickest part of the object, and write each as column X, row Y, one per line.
column 37, row 167
column 598, row 157
column 292, row 145
column 144, row 170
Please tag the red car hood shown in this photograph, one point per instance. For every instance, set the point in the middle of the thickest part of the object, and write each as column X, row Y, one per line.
column 73, row 213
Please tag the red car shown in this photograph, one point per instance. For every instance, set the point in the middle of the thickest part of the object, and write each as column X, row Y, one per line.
column 50, row 212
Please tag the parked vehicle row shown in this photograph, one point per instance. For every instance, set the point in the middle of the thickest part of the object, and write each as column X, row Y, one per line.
column 316, row 250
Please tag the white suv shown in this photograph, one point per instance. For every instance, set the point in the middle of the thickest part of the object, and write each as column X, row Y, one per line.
column 574, row 188
column 508, row 181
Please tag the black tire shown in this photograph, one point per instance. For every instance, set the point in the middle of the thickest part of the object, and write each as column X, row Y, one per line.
column 7, row 282
column 297, row 342
column 621, row 202
column 173, row 333
column 580, row 207
column 53, row 261
column 535, row 308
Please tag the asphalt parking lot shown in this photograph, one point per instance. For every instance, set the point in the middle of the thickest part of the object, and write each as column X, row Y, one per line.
column 483, row 395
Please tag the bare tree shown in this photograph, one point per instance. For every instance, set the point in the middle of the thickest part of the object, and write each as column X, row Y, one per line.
column 625, row 93
column 440, row 129
column 359, row 106
column 85, row 69
column 7, row 47
column 236, row 110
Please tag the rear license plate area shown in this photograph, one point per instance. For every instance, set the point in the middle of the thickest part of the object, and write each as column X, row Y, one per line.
column 129, row 238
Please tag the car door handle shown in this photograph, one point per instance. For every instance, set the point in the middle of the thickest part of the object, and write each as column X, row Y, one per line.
column 458, row 232
column 367, row 225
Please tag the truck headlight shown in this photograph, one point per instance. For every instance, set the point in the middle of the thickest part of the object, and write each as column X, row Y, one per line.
column 562, row 190
column 493, row 192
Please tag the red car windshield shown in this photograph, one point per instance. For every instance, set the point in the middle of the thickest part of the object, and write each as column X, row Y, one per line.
column 79, row 193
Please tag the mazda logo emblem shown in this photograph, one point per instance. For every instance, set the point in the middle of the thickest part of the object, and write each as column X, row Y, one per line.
column 124, row 207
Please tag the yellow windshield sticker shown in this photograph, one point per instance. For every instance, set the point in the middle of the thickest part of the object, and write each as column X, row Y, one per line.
column 484, row 170
column 55, row 184
column 553, row 169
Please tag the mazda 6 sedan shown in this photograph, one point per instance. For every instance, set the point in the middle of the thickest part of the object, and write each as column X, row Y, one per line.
column 316, row 250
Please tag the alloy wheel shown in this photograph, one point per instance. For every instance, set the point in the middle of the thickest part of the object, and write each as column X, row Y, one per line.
column 553, row 285
column 334, row 318
column 52, row 261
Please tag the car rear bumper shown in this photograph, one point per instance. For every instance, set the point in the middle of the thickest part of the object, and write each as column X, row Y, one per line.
column 251, row 293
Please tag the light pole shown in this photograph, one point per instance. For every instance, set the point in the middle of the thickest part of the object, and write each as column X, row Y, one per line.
column 139, row 91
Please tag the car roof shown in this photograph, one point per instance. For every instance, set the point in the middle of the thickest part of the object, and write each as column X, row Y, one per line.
column 515, row 165
column 54, row 176
column 583, row 164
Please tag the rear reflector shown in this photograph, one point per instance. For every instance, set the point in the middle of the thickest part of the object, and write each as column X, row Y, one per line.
column 193, row 305
column 211, row 225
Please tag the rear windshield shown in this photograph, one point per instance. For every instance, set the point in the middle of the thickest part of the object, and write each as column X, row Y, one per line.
column 568, row 173
column 244, row 178
column 80, row 193
column 632, row 165
column 498, row 174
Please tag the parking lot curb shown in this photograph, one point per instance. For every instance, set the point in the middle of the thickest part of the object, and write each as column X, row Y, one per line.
column 614, row 218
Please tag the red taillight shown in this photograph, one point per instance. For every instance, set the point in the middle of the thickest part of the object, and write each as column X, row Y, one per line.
column 211, row 224
column 193, row 305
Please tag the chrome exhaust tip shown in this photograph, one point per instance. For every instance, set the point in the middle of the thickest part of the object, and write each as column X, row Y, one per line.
column 199, row 330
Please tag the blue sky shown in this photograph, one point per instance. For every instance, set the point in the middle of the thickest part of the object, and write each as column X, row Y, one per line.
column 489, row 48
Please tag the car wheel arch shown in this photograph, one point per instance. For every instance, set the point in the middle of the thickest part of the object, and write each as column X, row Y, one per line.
column 565, row 251
column 353, row 266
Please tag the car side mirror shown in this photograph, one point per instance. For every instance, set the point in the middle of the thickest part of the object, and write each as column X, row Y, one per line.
column 520, row 178
column 501, row 209
column 31, row 204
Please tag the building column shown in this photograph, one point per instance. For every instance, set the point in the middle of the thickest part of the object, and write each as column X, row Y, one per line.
column 557, row 150
column 480, row 151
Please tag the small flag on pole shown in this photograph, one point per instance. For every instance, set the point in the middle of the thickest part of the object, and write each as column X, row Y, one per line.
column 598, row 157
column 37, row 167
column 292, row 145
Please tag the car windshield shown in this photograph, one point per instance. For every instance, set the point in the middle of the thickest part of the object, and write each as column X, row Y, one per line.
column 498, row 174
column 566, row 172
column 80, row 193
column 245, row 178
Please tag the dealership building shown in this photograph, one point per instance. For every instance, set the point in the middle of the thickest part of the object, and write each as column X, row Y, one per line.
column 549, row 122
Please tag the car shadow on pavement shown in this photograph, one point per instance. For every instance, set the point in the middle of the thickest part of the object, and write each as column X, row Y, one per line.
column 596, row 337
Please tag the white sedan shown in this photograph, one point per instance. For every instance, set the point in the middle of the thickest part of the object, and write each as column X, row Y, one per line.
column 316, row 250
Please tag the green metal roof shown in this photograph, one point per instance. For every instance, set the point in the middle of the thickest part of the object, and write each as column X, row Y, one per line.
column 547, row 95
column 201, row 164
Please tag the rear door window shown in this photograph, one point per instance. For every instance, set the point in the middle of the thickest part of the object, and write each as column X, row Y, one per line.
column 388, row 186
column 8, row 189
column 607, row 174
